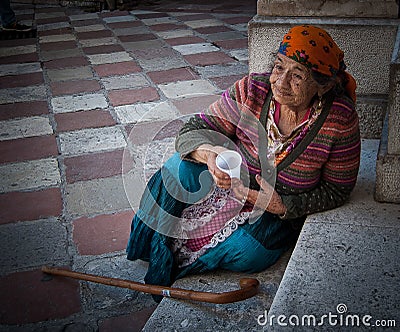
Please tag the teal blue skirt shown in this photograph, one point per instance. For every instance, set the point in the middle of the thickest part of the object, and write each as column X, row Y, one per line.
column 178, row 184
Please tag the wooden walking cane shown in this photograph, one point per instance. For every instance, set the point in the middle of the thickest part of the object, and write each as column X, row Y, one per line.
column 248, row 287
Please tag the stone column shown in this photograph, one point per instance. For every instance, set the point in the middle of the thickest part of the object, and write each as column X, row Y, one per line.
column 388, row 163
column 365, row 30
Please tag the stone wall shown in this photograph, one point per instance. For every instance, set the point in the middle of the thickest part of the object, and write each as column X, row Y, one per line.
column 388, row 161
column 329, row 8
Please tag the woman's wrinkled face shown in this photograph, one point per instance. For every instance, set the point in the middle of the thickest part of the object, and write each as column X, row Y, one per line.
column 292, row 84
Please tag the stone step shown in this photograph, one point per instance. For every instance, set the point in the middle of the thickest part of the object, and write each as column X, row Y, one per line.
column 345, row 264
column 176, row 315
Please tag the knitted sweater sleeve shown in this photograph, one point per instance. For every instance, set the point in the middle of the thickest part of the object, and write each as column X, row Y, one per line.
column 338, row 174
column 216, row 125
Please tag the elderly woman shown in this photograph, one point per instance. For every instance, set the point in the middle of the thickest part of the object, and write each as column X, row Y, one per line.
column 301, row 119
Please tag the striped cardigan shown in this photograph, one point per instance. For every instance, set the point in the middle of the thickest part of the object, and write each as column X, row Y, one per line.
column 318, row 177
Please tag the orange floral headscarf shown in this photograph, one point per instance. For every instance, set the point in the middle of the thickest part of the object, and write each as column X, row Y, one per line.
column 314, row 48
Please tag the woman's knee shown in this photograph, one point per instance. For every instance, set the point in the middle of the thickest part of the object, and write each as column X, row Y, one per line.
column 193, row 177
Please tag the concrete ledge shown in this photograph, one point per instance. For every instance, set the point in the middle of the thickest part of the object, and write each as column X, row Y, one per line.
column 345, row 263
column 179, row 315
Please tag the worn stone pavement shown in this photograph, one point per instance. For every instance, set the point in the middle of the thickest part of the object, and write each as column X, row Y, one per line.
column 70, row 102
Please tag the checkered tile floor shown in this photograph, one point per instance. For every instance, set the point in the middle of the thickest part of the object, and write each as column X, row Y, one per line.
column 69, row 100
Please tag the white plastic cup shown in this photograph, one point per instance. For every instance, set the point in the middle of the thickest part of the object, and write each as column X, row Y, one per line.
column 229, row 161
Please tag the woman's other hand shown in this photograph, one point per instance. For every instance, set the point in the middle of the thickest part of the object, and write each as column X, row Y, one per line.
column 207, row 154
column 267, row 198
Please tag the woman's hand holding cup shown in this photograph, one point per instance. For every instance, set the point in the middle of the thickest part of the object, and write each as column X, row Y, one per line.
column 207, row 154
